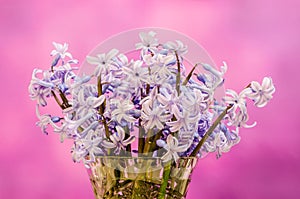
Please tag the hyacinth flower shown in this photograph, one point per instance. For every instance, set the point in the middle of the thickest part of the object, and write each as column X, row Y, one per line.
column 103, row 62
column 172, row 109
column 170, row 114
column 40, row 89
column 153, row 116
column 45, row 120
column 148, row 42
column 261, row 94
column 118, row 140
column 172, row 147
column 60, row 50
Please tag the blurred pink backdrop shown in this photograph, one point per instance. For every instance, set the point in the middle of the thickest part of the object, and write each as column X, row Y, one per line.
column 256, row 37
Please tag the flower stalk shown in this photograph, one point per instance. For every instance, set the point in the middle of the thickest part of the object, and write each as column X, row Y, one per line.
column 65, row 100
column 102, row 107
column 57, row 100
column 178, row 75
column 209, row 132
column 148, row 141
column 189, row 75
column 165, row 179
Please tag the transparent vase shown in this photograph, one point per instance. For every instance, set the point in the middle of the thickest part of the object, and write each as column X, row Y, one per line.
column 140, row 178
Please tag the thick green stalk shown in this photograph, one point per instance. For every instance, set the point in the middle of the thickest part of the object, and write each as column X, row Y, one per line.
column 148, row 89
column 102, row 107
column 57, row 100
column 189, row 75
column 155, row 138
column 127, row 135
column 107, row 134
column 178, row 74
column 148, row 141
column 99, row 86
column 164, row 183
column 141, row 143
column 209, row 132
column 100, row 92
column 64, row 99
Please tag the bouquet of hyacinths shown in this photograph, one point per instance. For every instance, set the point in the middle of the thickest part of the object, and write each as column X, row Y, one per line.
column 145, row 108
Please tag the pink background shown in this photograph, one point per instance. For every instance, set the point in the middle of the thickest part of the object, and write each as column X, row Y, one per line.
column 256, row 37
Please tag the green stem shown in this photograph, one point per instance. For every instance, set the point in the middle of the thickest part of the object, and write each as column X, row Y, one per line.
column 102, row 107
column 65, row 103
column 99, row 86
column 164, row 183
column 148, row 141
column 248, row 86
column 100, row 92
column 189, row 75
column 148, row 89
column 178, row 74
column 107, row 134
column 156, row 137
column 210, row 130
column 57, row 100
column 141, row 143
column 127, row 135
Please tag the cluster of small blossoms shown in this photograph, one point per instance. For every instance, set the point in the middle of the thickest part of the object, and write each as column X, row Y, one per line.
column 172, row 112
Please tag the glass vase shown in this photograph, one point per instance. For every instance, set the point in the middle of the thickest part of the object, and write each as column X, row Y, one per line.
column 140, row 178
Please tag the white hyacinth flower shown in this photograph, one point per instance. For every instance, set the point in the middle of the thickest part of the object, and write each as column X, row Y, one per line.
column 136, row 75
column 219, row 144
column 117, row 140
column 153, row 116
column 172, row 148
column 183, row 120
column 239, row 118
column 121, row 110
column 238, row 101
column 192, row 100
column 88, row 104
column 161, row 71
column 103, row 62
column 60, row 50
column 91, row 144
column 169, row 101
column 177, row 47
column 40, row 89
column 237, row 115
column 261, row 94
column 70, row 126
column 149, row 42
column 44, row 120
